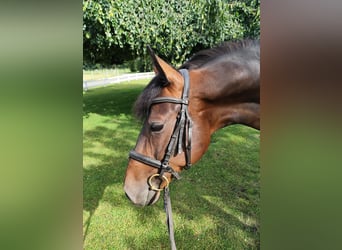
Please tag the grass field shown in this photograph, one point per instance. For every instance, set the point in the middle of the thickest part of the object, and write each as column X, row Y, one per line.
column 215, row 204
column 103, row 73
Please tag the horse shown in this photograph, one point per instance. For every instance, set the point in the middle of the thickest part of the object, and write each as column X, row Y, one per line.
column 181, row 108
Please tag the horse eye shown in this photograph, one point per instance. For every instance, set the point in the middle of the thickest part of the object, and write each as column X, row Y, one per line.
column 155, row 127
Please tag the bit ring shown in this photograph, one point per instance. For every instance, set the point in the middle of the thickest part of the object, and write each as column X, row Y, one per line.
column 155, row 188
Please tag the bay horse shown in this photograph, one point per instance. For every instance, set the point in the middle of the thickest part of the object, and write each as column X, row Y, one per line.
column 182, row 108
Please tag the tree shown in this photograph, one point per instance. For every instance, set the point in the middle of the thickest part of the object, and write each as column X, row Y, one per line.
column 115, row 31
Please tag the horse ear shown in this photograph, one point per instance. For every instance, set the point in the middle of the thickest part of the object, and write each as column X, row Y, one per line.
column 162, row 68
column 156, row 67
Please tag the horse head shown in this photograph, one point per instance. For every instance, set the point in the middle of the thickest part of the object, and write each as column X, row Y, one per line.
column 182, row 108
column 162, row 103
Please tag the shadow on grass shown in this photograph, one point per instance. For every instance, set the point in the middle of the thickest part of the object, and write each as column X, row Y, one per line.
column 114, row 103
column 111, row 100
column 223, row 187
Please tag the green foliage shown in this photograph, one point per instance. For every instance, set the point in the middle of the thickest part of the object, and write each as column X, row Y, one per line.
column 119, row 30
column 248, row 14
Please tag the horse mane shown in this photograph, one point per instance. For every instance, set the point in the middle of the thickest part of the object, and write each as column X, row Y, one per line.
column 198, row 60
column 203, row 57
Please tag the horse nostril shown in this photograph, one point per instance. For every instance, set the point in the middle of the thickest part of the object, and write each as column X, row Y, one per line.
column 155, row 126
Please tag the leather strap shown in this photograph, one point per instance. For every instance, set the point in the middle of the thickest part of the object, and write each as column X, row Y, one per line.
column 170, row 100
column 169, row 218
column 182, row 133
column 153, row 163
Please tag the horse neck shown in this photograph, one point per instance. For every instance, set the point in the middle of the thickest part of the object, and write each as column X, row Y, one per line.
column 222, row 99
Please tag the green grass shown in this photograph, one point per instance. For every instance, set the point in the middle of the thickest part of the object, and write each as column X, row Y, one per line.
column 103, row 73
column 215, row 204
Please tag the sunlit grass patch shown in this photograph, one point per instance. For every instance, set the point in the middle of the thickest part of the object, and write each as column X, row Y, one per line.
column 96, row 74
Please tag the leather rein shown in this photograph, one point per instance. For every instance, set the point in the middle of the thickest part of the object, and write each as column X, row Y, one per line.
column 181, row 136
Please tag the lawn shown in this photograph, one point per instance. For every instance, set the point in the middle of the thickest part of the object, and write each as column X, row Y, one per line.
column 215, row 204
column 103, row 73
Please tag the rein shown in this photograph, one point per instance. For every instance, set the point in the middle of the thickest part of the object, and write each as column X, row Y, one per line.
column 181, row 136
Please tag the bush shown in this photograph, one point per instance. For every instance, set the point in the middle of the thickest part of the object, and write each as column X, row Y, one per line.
column 115, row 31
column 140, row 64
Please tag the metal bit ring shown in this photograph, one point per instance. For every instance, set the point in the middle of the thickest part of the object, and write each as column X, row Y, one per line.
column 155, row 188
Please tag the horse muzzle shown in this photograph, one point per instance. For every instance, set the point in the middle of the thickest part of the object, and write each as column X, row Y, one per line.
column 141, row 196
column 146, row 193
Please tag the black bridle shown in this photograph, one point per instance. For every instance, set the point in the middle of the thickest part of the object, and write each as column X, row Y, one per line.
column 181, row 136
